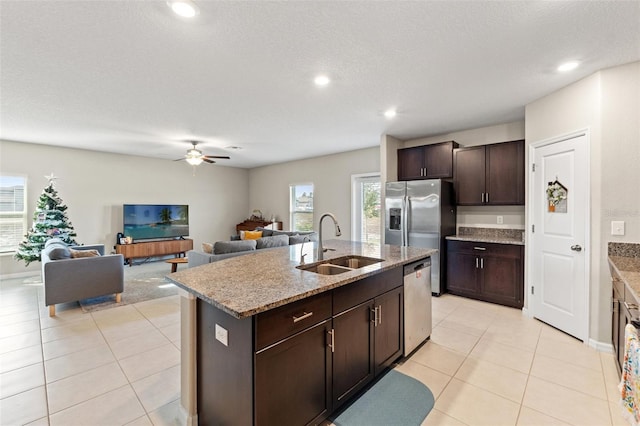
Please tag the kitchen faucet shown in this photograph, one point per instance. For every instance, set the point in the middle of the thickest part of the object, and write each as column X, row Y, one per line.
column 302, row 254
column 338, row 233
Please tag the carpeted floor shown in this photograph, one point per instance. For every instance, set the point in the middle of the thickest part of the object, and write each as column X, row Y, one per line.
column 141, row 282
column 395, row 399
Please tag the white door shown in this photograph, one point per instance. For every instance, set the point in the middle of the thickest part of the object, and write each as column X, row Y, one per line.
column 560, row 250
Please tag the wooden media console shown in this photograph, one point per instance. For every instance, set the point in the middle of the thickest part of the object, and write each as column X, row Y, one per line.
column 154, row 248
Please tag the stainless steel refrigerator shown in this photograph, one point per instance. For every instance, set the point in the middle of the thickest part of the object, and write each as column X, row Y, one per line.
column 422, row 213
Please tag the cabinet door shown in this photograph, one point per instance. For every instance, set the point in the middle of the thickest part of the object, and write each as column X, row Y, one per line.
column 292, row 385
column 388, row 332
column 410, row 163
column 353, row 352
column 505, row 173
column 438, row 160
column 502, row 280
column 462, row 273
column 469, row 175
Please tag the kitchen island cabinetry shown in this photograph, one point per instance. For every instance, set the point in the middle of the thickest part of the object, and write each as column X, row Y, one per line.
column 486, row 271
column 433, row 161
column 307, row 362
column 490, row 174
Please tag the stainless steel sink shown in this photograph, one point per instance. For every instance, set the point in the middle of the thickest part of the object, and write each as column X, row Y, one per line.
column 354, row 262
column 325, row 269
column 340, row 265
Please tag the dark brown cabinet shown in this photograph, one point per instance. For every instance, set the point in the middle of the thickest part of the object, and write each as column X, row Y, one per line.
column 298, row 363
column 625, row 308
column 433, row 161
column 293, row 379
column 490, row 174
column 486, row 271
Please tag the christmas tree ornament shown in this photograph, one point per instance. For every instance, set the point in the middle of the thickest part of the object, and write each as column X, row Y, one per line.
column 49, row 220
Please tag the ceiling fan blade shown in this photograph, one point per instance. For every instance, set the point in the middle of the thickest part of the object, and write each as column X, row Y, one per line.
column 180, row 159
column 206, row 160
column 217, row 156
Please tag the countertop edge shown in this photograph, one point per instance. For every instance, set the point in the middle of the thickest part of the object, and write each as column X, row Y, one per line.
column 485, row 240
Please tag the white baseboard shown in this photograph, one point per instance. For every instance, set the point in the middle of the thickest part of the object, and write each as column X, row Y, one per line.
column 184, row 419
column 601, row 346
column 20, row 275
column 526, row 313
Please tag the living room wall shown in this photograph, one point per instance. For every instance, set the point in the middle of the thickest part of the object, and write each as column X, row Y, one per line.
column 331, row 176
column 94, row 185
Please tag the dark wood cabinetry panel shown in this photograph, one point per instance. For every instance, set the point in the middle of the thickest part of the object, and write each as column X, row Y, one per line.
column 469, row 180
column 486, row 271
column 388, row 330
column 505, row 173
column 490, row 174
column 293, row 379
column 434, row 161
column 353, row 356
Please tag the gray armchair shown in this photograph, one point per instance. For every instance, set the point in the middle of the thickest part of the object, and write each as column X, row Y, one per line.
column 68, row 279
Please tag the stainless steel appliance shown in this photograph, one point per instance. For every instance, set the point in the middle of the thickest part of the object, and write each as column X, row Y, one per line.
column 420, row 214
column 417, row 304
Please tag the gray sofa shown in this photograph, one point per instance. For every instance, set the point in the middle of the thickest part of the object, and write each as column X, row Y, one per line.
column 226, row 249
column 67, row 278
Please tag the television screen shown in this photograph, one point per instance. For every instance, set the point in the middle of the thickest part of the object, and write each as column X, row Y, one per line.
column 150, row 221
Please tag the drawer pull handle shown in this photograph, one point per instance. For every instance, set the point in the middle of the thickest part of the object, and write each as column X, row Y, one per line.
column 479, row 248
column 332, row 345
column 304, row 315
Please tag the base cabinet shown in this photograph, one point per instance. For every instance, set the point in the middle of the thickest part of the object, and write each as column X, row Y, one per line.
column 624, row 309
column 308, row 357
column 486, row 271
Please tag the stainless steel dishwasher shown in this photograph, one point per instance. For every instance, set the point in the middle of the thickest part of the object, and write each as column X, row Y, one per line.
column 417, row 304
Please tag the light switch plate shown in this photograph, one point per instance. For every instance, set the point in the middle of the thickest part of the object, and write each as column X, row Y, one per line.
column 617, row 227
column 222, row 335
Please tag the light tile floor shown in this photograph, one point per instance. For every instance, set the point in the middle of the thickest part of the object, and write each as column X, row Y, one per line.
column 485, row 364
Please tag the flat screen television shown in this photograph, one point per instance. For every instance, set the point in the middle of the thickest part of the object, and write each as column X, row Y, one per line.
column 155, row 221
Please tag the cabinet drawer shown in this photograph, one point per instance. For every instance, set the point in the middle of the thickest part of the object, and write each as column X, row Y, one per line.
column 276, row 324
column 350, row 295
column 471, row 247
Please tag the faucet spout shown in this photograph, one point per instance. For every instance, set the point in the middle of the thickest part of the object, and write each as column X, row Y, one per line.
column 338, row 233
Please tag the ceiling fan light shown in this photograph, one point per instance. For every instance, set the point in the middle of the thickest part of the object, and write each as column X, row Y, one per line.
column 194, row 161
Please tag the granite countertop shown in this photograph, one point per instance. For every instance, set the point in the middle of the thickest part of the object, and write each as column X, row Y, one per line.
column 624, row 264
column 252, row 283
column 489, row 235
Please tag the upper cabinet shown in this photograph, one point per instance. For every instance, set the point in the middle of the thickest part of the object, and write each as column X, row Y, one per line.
column 433, row 161
column 490, row 174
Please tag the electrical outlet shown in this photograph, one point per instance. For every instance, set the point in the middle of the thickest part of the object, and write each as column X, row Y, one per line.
column 500, row 220
column 222, row 335
column 617, row 227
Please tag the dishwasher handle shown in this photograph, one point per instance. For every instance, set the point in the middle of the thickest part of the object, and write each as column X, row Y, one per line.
column 416, row 266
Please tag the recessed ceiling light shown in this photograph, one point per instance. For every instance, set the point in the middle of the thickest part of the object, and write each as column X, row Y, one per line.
column 321, row 80
column 184, row 8
column 568, row 66
column 390, row 113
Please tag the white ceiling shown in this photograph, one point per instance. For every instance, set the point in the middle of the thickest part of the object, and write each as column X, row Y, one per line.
column 131, row 77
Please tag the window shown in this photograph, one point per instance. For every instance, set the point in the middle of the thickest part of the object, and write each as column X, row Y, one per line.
column 13, row 213
column 301, row 207
column 365, row 194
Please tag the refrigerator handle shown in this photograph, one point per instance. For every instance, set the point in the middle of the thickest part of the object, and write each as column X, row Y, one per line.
column 404, row 241
column 407, row 218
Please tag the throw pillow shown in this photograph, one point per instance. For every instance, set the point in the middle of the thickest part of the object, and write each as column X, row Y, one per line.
column 207, row 248
column 83, row 253
column 273, row 241
column 224, row 247
column 251, row 235
column 298, row 239
column 57, row 253
column 265, row 232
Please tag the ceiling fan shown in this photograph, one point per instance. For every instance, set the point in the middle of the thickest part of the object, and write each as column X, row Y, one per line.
column 194, row 156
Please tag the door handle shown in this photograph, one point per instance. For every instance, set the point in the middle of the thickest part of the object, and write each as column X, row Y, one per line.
column 576, row 247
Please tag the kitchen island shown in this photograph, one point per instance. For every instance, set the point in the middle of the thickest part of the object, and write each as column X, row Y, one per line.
column 266, row 342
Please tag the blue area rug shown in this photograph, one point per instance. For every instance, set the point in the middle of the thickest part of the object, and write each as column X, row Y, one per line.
column 396, row 399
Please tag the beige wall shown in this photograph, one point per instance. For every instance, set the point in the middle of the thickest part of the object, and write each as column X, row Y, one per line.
column 331, row 176
column 95, row 185
column 607, row 103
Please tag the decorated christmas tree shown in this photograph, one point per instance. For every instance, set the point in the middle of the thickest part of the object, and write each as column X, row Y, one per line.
column 49, row 220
